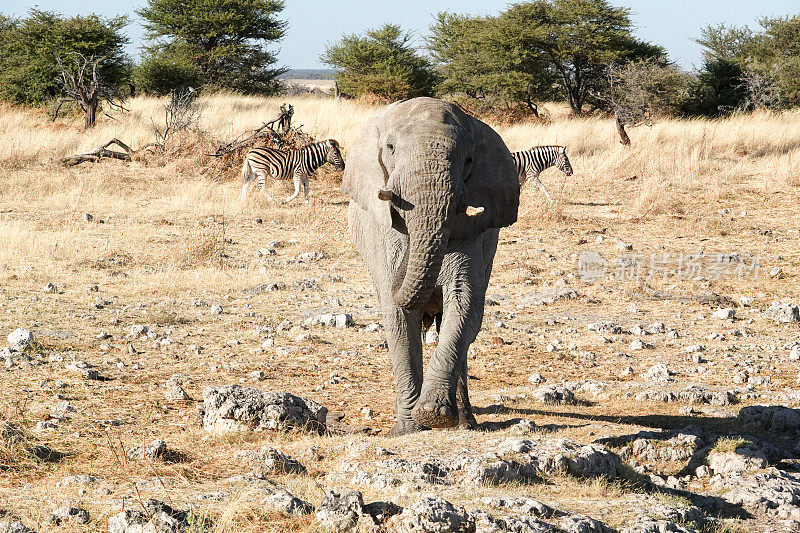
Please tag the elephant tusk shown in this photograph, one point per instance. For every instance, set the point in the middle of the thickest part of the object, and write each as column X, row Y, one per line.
column 385, row 195
column 474, row 211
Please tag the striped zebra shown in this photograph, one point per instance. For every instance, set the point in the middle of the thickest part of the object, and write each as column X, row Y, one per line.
column 531, row 163
column 282, row 165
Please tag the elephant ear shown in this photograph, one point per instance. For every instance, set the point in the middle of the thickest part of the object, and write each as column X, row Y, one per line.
column 493, row 184
column 364, row 173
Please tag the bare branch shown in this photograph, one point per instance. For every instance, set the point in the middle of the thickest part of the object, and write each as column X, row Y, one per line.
column 82, row 84
column 99, row 153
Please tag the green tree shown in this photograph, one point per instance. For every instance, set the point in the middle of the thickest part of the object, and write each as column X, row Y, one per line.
column 382, row 63
column 159, row 74
column 482, row 59
column 743, row 65
column 29, row 49
column 535, row 50
column 227, row 41
column 578, row 39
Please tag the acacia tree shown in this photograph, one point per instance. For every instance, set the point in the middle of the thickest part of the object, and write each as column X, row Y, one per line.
column 745, row 68
column 383, row 63
column 480, row 58
column 227, row 41
column 29, row 70
column 535, row 51
column 577, row 39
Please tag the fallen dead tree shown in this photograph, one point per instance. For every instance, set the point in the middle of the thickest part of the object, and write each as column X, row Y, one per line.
column 217, row 157
column 100, row 152
column 285, row 136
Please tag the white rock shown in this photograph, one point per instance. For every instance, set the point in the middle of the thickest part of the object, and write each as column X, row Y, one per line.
column 658, row 372
column 309, row 257
column 639, row 344
column 726, row 313
column 431, row 337
column 19, row 339
column 694, row 348
column 536, row 378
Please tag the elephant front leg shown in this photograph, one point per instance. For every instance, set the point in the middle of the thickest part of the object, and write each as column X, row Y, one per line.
column 446, row 375
column 404, row 336
column 466, row 419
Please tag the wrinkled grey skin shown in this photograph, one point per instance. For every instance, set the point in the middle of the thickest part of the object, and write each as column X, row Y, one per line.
column 428, row 260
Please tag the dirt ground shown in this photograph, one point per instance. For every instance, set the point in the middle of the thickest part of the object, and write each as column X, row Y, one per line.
column 164, row 247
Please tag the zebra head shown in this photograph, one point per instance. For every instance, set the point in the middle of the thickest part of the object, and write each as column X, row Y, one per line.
column 333, row 155
column 562, row 161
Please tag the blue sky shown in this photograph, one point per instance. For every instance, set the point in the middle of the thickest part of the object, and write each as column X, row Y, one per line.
column 315, row 23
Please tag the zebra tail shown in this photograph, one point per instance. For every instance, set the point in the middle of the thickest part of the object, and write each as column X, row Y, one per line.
column 246, row 171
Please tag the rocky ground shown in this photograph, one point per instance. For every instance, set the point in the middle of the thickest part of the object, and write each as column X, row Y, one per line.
column 229, row 373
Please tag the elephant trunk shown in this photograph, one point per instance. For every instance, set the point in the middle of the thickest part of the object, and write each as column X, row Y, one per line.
column 428, row 234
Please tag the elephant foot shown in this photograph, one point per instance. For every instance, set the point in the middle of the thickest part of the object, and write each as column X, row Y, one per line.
column 404, row 428
column 435, row 411
column 466, row 421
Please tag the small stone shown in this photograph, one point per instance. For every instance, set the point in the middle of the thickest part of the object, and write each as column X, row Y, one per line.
column 658, row 372
column 702, row 471
column 726, row 313
column 216, row 309
column 173, row 392
column 431, row 337
column 152, row 451
column 50, row 288
column 269, row 461
column 639, row 344
column 268, row 343
column 432, row 514
column 694, row 348
column 783, row 312
column 536, row 378
column 794, row 355
column 137, row 330
column 19, row 339
column 65, row 514
column 776, row 273
column 309, row 257
column 554, row 394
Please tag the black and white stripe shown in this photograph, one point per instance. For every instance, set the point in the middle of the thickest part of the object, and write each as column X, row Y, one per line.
column 284, row 164
column 531, row 163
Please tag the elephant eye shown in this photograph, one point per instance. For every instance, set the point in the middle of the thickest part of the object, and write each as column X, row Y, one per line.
column 390, row 147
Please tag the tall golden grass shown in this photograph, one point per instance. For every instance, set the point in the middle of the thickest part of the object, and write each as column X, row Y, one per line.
column 673, row 167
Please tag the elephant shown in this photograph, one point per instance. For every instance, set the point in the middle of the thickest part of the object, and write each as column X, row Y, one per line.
column 430, row 188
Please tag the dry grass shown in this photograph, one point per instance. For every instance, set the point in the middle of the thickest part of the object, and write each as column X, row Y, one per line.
column 172, row 236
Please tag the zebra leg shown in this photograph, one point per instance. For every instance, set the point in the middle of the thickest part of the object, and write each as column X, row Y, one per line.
column 305, row 188
column 544, row 190
column 296, row 179
column 262, row 185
